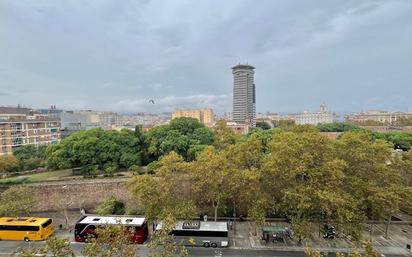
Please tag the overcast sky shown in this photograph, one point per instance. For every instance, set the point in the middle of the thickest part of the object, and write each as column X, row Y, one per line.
column 116, row 55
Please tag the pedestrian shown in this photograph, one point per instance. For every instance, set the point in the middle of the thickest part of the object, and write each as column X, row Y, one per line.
column 82, row 212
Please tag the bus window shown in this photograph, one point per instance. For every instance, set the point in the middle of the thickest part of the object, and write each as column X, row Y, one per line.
column 19, row 228
column 47, row 223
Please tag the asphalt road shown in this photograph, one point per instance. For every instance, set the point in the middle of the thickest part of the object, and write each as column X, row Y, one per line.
column 8, row 247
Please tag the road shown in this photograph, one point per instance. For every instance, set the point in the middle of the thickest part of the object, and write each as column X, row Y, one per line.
column 8, row 247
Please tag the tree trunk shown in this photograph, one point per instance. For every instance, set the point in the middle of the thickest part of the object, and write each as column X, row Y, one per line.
column 234, row 217
column 66, row 218
column 387, row 226
column 371, row 232
column 216, row 206
column 319, row 228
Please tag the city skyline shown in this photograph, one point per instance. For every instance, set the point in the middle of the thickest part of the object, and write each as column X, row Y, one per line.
column 115, row 56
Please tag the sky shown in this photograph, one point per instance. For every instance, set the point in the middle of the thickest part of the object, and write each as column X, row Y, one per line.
column 353, row 55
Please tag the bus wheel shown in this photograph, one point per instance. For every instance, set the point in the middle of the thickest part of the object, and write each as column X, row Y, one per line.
column 26, row 239
column 214, row 245
column 206, row 245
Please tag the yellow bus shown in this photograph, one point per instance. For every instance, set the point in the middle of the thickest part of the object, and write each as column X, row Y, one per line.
column 27, row 229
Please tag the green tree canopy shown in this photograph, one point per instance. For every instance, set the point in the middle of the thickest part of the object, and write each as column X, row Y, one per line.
column 338, row 127
column 16, row 201
column 263, row 125
column 400, row 140
column 183, row 136
column 96, row 147
column 111, row 206
column 308, row 178
column 224, row 136
column 166, row 192
column 372, row 175
column 110, row 241
column 30, row 156
column 54, row 247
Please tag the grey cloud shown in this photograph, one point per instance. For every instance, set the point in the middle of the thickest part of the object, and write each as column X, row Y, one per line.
column 168, row 103
column 101, row 54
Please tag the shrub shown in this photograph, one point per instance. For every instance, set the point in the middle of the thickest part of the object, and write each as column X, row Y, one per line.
column 111, row 206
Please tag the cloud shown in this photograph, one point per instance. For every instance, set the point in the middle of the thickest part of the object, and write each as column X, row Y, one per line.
column 112, row 54
column 170, row 103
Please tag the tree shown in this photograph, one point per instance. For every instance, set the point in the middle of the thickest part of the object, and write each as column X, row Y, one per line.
column 62, row 204
column 8, row 163
column 182, row 135
column 400, row 140
column 304, row 179
column 110, row 241
column 111, row 206
column 308, row 128
column 55, row 247
column 403, row 163
column 210, row 174
column 371, row 177
column 369, row 251
column 163, row 244
column 168, row 191
column 284, row 124
column 165, row 197
column 16, row 201
column 257, row 213
column 309, row 252
column 96, row 147
column 30, row 156
column 110, row 168
column 263, row 125
column 265, row 136
column 338, row 127
column 243, row 164
column 224, row 136
column 367, row 245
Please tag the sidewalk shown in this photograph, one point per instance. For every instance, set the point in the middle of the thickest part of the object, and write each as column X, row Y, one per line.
column 399, row 236
column 396, row 250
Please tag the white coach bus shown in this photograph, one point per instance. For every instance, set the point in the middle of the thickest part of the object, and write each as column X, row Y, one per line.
column 201, row 233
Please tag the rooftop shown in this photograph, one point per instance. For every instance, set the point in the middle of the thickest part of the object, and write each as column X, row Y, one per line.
column 15, row 110
column 22, row 220
column 121, row 220
column 243, row 66
column 205, row 225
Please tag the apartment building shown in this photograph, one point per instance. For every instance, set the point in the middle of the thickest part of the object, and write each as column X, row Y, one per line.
column 378, row 116
column 23, row 126
column 88, row 119
column 241, row 129
column 205, row 116
column 314, row 118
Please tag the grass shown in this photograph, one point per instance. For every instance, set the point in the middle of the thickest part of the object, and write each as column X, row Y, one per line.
column 36, row 177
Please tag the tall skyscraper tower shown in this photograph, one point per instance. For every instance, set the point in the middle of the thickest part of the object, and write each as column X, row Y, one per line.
column 244, row 95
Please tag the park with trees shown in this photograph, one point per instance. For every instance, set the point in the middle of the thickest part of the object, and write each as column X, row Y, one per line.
column 293, row 172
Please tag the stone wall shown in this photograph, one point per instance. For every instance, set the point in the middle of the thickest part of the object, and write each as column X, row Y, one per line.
column 76, row 194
